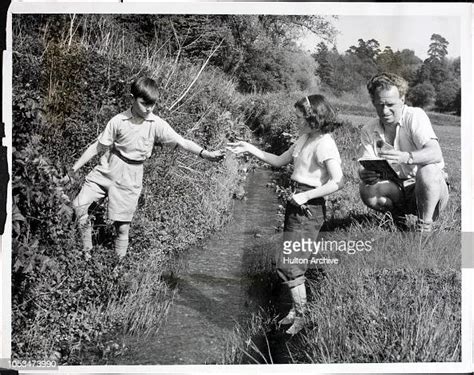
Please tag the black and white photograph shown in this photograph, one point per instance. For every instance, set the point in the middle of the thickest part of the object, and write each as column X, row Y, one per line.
column 237, row 186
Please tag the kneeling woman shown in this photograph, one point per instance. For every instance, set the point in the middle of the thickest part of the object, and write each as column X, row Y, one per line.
column 317, row 173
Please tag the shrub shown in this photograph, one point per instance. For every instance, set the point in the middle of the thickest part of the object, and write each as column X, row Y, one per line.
column 422, row 95
column 447, row 96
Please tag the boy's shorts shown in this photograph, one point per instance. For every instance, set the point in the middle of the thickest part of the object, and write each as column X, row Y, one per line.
column 120, row 181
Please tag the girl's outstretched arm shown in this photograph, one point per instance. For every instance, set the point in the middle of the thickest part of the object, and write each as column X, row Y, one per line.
column 335, row 182
column 272, row 159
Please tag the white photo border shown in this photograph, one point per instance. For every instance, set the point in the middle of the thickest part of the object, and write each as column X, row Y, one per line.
column 462, row 10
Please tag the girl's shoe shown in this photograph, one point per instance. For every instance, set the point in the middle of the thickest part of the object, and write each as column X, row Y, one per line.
column 290, row 318
column 297, row 326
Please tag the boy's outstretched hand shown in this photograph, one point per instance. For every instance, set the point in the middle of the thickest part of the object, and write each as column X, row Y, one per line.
column 214, row 155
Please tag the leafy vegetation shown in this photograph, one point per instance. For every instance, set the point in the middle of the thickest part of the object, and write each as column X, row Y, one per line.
column 65, row 307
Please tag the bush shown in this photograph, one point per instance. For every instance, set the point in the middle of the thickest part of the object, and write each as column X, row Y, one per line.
column 447, row 97
column 422, row 95
column 272, row 117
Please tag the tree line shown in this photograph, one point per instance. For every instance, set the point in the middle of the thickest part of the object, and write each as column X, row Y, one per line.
column 434, row 83
column 262, row 53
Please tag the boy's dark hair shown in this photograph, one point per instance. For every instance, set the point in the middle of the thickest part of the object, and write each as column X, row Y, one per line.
column 145, row 88
column 386, row 81
column 319, row 113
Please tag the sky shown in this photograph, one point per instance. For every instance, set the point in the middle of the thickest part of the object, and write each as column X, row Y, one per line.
column 411, row 32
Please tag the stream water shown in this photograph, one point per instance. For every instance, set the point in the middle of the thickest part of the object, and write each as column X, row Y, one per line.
column 215, row 291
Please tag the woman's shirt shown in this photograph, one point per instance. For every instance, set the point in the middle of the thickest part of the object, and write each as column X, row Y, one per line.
column 309, row 153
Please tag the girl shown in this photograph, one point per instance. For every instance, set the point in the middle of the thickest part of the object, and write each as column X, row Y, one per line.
column 317, row 173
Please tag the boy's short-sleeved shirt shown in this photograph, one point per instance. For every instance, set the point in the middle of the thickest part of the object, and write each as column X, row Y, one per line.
column 413, row 132
column 309, row 154
column 122, row 182
column 134, row 138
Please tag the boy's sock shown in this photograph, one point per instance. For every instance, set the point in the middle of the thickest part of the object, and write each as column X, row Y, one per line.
column 86, row 235
column 121, row 245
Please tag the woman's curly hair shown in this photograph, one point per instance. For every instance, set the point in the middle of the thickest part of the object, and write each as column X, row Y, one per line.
column 318, row 113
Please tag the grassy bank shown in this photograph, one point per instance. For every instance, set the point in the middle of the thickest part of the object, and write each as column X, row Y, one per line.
column 65, row 89
column 400, row 302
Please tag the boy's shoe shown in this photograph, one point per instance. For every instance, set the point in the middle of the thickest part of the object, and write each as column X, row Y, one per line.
column 289, row 319
column 115, row 272
column 87, row 254
column 297, row 326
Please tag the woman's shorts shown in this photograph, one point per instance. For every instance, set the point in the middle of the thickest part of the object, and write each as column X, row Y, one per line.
column 120, row 181
column 300, row 231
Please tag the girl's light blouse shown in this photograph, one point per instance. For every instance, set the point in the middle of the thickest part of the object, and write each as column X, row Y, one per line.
column 309, row 154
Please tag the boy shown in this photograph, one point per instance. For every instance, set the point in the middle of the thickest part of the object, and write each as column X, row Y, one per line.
column 129, row 138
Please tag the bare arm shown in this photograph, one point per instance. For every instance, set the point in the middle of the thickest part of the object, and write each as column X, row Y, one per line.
column 91, row 151
column 335, row 182
column 193, row 147
column 272, row 159
column 429, row 154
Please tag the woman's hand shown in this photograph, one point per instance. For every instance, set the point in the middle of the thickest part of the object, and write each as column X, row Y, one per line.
column 238, row 147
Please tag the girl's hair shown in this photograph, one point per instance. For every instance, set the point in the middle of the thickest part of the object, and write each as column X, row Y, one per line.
column 146, row 88
column 318, row 113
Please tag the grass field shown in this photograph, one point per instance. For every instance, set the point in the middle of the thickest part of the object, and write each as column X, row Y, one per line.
column 401, row 302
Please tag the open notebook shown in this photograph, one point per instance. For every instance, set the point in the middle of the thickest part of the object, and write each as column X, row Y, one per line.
column 381, row 166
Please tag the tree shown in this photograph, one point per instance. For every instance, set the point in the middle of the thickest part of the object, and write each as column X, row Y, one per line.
column 438, row 48
column 457, row 103
column 324, row 69
column 387, row 60
column 284, row 29
column 409, row 64
column 366, row 51
column 440, row 72
column 455, row 67
column 447, row 95
column 349, row 73
column 422, row 95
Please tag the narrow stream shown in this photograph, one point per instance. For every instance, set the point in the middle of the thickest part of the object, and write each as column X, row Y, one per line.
column 214, row 290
